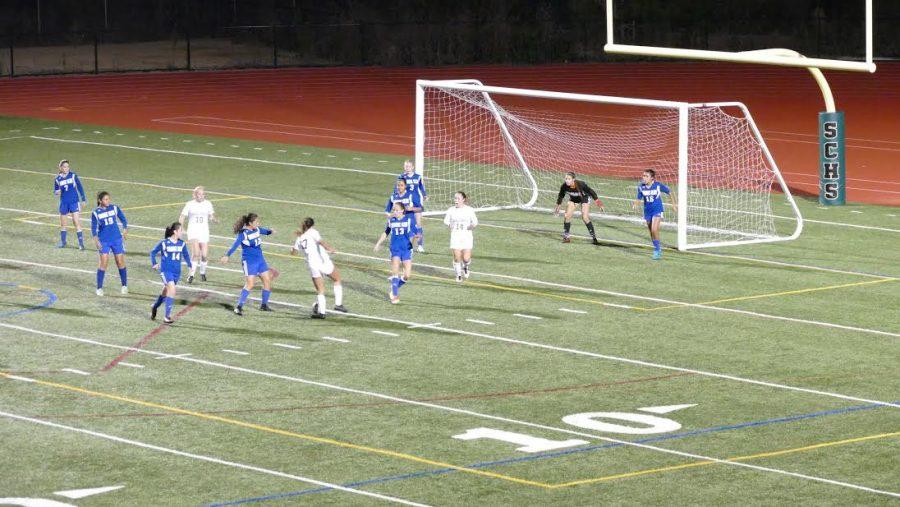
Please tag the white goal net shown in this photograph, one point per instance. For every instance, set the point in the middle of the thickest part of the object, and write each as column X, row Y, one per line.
column 509, row 148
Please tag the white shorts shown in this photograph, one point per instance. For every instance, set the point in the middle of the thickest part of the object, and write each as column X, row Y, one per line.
column 461, row 240
column 320, row 269
column 199, row 234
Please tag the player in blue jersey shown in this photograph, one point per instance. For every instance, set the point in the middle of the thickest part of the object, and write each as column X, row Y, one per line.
column 416, row 184
column 71, row 195
column 649, row 192
column 172, row 250
column 400, row 228
column 105, row 222
column 249, row 238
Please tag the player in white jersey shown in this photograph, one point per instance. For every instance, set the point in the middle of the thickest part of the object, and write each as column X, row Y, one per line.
column 462, row 221
column 319, row 262
column 198, row 213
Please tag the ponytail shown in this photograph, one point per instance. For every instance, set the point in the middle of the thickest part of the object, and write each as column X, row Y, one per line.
column 244, row 221
column 170, row 230
column 100, row 196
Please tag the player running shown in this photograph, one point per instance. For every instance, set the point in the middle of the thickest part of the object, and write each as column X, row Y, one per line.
column 579, row 193
column 410, row 202
column 416, row 185
column 105, row 230
column 249, row 238
column 649, row 191
column 172, row 250
column 319, row 263
column 68, row 187
column 400, row 228
column 462, row 221
column 198, row 213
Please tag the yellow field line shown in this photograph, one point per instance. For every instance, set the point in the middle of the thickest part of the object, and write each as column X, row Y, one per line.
column 276, row 431
column 771, row 294
column 736, row 458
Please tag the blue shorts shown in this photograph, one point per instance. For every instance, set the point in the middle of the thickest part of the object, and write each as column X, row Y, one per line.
column 254, row 267
column 69, row 207
column 648, row 217
column 405, row 254
column 115, row 246
column 170, row 276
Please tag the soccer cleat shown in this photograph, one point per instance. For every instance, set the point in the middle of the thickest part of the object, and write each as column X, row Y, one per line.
column 202, row 277
column 99, row 292
column 420, row 249
column 395, row 299
column 566, row 239
column 657, row 255
column 340, row 308
column 60, row 245
column 191, row 279
column 81, row 247
column 317, row 315
column 124, row 289
column 168, row 320
column 595, row 241
column 264, row 308
column 465, row 272
column 239, row 310
column 153, row 313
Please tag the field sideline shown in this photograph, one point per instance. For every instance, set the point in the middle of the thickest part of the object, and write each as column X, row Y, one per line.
column 558, row 374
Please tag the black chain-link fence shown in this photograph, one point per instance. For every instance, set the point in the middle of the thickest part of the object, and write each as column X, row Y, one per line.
column 202, row 34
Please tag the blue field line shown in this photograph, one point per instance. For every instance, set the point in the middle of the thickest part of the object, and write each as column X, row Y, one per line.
column 51, row 298
column 547, row 455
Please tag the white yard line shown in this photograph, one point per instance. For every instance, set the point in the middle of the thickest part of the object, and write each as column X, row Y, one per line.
column 286, row 346
column 333, row 339
column 483, row 322
column 567, row 310
column 330, row 168
column 130, row 365
column 584, row 289
column 77, row 372
column 208, row 459
column 378, row 212
column 526, row 316
column 477, row 335
column 237, row 352
column 173, row 356
column 478, row 414
column 384, row 333
column 415, row 326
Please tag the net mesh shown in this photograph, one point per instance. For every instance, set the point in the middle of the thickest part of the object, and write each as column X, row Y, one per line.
column 509, row 151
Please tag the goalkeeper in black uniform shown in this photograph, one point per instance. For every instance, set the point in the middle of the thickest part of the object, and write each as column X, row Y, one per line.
column 579, row 193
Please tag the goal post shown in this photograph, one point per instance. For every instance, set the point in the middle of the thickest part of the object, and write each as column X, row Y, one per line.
column 509, row 148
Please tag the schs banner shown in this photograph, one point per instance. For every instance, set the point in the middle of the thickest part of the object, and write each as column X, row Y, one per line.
column 832, row 167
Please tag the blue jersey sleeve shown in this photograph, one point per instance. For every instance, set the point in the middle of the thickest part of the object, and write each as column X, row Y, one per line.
column 156, row 250
column 186, row 255
column 264, row 231
column 237, row 243
column 55, row 185
column 664, row 189
column 94, row 224
column 390, row 204
column 422, row 187
column 639, row 194
column 121, row 215
column 80, row 189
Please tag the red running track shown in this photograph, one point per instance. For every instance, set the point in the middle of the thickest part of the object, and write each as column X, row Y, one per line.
column 371, row 109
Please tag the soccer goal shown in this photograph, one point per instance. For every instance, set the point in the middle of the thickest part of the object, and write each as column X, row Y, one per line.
column 509, row 148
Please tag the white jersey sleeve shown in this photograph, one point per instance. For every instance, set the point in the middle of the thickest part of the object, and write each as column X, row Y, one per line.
column 186, row 210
